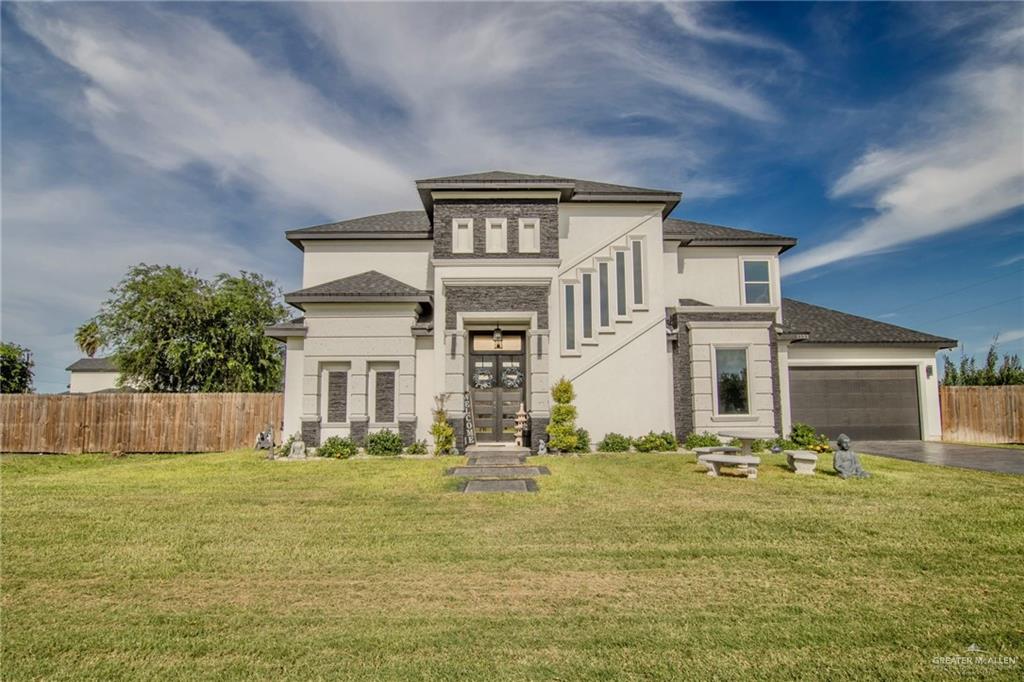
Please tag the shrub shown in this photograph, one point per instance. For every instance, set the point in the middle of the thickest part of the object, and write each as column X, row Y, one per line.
column 562, row 433
column 286, row 447
column 582, row 440
column 655, row 442
column 442, row 432
column 803, row 434
column 758, row 445
column 670, row 440
column 782, row 444
column 417, row 447
column 337, row 447
column 383, row 443
column 701, row 440
column 615, row 442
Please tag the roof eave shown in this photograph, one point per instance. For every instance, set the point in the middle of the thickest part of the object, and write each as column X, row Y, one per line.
column 297, row 237
column 669, row 199
column 784, row 244
column 938, row 344
column 299, row 300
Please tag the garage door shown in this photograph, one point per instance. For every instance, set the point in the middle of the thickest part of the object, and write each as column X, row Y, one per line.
column 865, row 403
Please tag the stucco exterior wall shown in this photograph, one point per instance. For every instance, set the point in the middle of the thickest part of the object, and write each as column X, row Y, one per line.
column 804, row 355
column 90, row 382
column 407, row 260
column 713, row 274
column 293, row 363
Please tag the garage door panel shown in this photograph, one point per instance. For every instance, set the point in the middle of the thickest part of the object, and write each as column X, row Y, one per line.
column 866, row 403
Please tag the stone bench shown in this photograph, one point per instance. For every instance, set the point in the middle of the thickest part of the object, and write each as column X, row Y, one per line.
column 712, row 449
column 802, row 462
column 714, row 462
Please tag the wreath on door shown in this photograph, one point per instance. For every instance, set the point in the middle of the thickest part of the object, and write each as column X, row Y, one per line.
column 512, row 377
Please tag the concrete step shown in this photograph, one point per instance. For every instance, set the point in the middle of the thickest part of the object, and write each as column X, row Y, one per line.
column 476, row 450
column 519, row 471
column 496, row 460
column 520, row 485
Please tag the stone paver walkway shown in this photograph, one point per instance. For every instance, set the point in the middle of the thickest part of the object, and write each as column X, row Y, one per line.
column 999, row 460
column 498, row 470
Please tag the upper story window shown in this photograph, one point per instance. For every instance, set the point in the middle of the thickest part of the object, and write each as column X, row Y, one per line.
column 569, row 319
column 529, row 235
column 497, row 237
column 757, row 283
column 620, row 283
column 462, row 235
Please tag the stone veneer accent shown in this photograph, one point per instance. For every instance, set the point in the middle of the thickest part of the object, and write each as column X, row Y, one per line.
column 682, row 385
column 546, row 210
column 458, row 423
column 472, row 299
column 359, row 429
column 384, row 390
column 337, row 397
column 538, row 430
column 407, row 430
column 311, row 433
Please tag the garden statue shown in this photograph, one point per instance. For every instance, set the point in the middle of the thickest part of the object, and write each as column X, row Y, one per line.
column 298, row 450
column 521, row 420
column 542, row 447
column 846, row 462
column 265, row 441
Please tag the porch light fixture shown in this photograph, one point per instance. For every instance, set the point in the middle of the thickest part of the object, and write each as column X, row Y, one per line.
column 497, row 337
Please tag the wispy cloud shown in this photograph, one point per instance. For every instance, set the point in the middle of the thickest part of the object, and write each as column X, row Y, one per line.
column 1010, row 261
column 964, row 167
column 693, row 20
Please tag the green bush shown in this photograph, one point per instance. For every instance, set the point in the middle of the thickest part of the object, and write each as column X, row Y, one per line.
column 655, row 442
column 670, row 440
column 337, row 447
column 803, row 434
column 562, row 433
column 701, row 440
column 417, row 447
column 615, row 442
column 442, row 432
column 384, row 443
column 759, row 445
column 582, row 440
column 286, row 447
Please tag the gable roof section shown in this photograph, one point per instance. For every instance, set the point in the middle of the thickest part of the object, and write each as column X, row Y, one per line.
column 824, row 325
column 366, row 287
column 692, row 233
column 92, row 365
column 393, row 225
column 571, row 189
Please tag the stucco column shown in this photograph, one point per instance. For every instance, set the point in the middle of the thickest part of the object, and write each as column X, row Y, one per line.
column 455, row 382
column 309, row 421
column 538, row 348
column 406, row 388
column 359, row 417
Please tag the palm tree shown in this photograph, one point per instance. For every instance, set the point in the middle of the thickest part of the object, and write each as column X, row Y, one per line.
column 88, row 338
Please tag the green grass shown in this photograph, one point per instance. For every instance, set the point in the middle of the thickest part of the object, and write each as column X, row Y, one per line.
column 631, row 566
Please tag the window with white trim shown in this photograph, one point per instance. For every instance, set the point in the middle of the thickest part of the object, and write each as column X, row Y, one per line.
column 462, row 235
column 587, row 294
column 604, row 295
column 497, row 235
column 757, row 281
column 569, row 316
column 529, row 235
column 620, row 283
column 732, row 385
column 636, row 247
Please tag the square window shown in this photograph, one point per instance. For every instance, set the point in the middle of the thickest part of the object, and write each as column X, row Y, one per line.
column 731, row 381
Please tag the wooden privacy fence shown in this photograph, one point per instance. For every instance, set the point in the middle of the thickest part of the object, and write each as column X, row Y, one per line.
column 136, row 422
column 982, row 414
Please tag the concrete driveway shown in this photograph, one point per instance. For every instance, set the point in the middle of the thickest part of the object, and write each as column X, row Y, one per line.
column 1000, row 460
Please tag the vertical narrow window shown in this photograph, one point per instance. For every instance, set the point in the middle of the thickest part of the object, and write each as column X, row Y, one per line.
column 587, row 285
column 602, row 294
column 756, row 282
column 731, row 380
column 384, row 397
column 337, row 396
column 620, row 282
column 529, row 235
column 496, row 240
column 638, row 272
column 570, row 317
column 462, row 235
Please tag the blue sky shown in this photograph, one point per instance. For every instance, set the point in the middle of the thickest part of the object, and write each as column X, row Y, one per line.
column 886, row 137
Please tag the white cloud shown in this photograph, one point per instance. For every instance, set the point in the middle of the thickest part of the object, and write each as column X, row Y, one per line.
column 691, row 18
column 1011, row 335
column 1010, row 261
column 965, row 169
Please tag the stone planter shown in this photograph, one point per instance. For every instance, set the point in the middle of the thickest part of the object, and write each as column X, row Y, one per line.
column 803, row 462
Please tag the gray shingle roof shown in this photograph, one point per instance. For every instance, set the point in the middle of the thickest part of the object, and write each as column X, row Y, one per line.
column 694, row 233
column 396, row 224
column 824, row 325
column 293, row 327
column 692, row 302
column 92, row 365
column 364, row 287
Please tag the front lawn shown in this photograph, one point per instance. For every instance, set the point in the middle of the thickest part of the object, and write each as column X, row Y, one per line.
column 638, row 566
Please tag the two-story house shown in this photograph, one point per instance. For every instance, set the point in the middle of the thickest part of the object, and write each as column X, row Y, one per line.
column 505, row 282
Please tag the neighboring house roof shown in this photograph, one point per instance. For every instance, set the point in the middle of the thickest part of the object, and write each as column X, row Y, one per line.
column 692, row 302
column 393, row 225
column 92, row 365
column 293, row 327
column 571, row 189
column 824, row 325
column 704, row 234
column 371, row 286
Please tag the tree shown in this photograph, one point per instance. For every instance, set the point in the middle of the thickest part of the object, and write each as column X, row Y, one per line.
column 15, row 368
column 172, row 331
column 88, row 339
column 993, row 373
column 562, row 428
